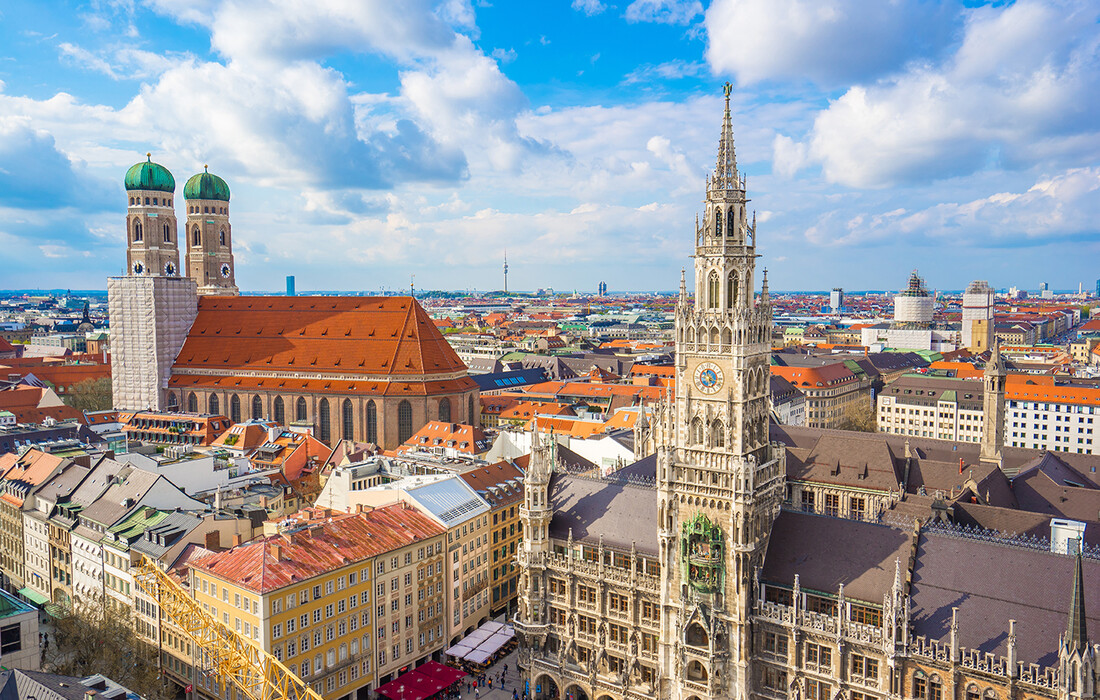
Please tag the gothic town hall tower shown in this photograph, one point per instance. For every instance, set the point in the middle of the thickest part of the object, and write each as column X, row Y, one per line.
column 720, row 483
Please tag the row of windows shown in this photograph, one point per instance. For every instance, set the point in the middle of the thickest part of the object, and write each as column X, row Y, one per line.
column 167, row 201
column 324, row 417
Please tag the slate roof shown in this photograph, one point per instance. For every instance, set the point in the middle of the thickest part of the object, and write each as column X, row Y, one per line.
column 825, row 552
column 1030, row 586
column 622, row 513
column 157, row 540
column 363, row 338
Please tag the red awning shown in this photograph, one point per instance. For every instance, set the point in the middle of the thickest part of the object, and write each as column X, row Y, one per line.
column 422, row 682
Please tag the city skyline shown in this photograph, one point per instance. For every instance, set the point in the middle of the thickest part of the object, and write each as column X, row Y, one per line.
column 427, row 141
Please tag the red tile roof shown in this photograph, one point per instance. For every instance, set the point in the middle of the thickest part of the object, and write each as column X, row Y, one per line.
column 270, row 563
column 382, row 345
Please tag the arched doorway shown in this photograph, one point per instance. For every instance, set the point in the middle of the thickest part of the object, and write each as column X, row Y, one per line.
column 545, row 688
column 575, row 692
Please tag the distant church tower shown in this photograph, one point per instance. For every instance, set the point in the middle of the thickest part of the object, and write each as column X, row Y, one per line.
column 151, row 308
column 209, row 235
column 720, row 481
column 993, row 407
column 152, row 246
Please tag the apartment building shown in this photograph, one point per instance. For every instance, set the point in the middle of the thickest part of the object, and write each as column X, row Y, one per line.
column 944, row 408
column 830, row 390
column 1042, row 412
column 344, row 603
column 501, row 486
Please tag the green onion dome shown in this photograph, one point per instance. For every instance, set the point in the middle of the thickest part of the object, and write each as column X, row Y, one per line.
column 150, row 176
column 206, row 185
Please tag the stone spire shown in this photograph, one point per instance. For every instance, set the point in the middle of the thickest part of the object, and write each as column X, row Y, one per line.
column 764, row 286
column 683, row 287
column 1076, row 632
column 725, row 172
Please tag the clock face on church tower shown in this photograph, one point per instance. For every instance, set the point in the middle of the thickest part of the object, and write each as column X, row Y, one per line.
column 708, row 377
column 225, row 270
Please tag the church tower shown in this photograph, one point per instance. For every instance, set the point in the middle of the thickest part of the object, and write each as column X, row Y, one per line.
column 209, row 235
column 993, row 406
column 720, row 481
column 151, row 307
column 152, row 247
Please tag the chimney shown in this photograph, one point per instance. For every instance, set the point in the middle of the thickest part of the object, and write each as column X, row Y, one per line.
column 237, row 539
column 89, row 695
column 277, row 552
column 213, row 540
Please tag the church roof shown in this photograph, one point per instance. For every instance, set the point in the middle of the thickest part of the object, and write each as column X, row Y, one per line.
column 340, row 345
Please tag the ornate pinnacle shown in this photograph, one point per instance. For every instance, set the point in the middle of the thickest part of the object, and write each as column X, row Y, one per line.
column 725, row 173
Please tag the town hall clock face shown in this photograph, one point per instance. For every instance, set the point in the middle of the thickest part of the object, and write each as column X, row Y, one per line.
column 708, row 377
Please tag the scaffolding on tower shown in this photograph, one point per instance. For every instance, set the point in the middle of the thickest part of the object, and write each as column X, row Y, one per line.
column 235, row 660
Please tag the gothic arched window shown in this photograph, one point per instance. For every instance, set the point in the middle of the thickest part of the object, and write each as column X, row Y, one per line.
column 325, row 428
column 347, row 419
column 404, row 420
column 196, row 237
column 172, row 401
column 730, row 228
column 212, row 405
column 718, row 223
column 257, row 407
column 731, row 290
column 137, row 231
column 192, row 403
column 280, row 410
column 696, row 431
column 718, row 434
column 300, row 409
column 470, row 410
column 445, row 410
column 167, row 234
column 372, row 422
column 221, row 237
column 235, row 408
column 712, row 290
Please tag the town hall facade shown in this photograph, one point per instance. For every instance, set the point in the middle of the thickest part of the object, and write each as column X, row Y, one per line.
column 689, row 576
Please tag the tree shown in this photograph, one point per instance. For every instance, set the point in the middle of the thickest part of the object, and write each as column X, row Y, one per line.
column 90, row 395
column 98, row 637
column 859, row 416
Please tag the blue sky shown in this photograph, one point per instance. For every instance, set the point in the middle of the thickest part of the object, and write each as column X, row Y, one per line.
column 369, row 140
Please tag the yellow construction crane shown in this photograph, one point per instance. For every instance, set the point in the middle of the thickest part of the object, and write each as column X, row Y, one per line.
column 254, row 672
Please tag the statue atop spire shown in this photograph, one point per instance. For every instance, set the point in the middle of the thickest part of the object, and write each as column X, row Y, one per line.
column 725, row 173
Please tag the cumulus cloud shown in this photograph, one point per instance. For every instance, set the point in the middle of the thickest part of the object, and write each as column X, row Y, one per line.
column 663, row 11
column 1022, row 89
column 1064, row 206
column 827, row 41
column 589, row 7
column 34, row 174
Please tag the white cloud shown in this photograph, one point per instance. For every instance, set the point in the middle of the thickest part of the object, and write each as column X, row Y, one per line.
column 670, row 70
column 1062, row 206
column 122, row 62
column 589, row 7
column 1022, row 89
column 663, row 11
column 504, row 55
column 788, row 157
column 827, row 41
